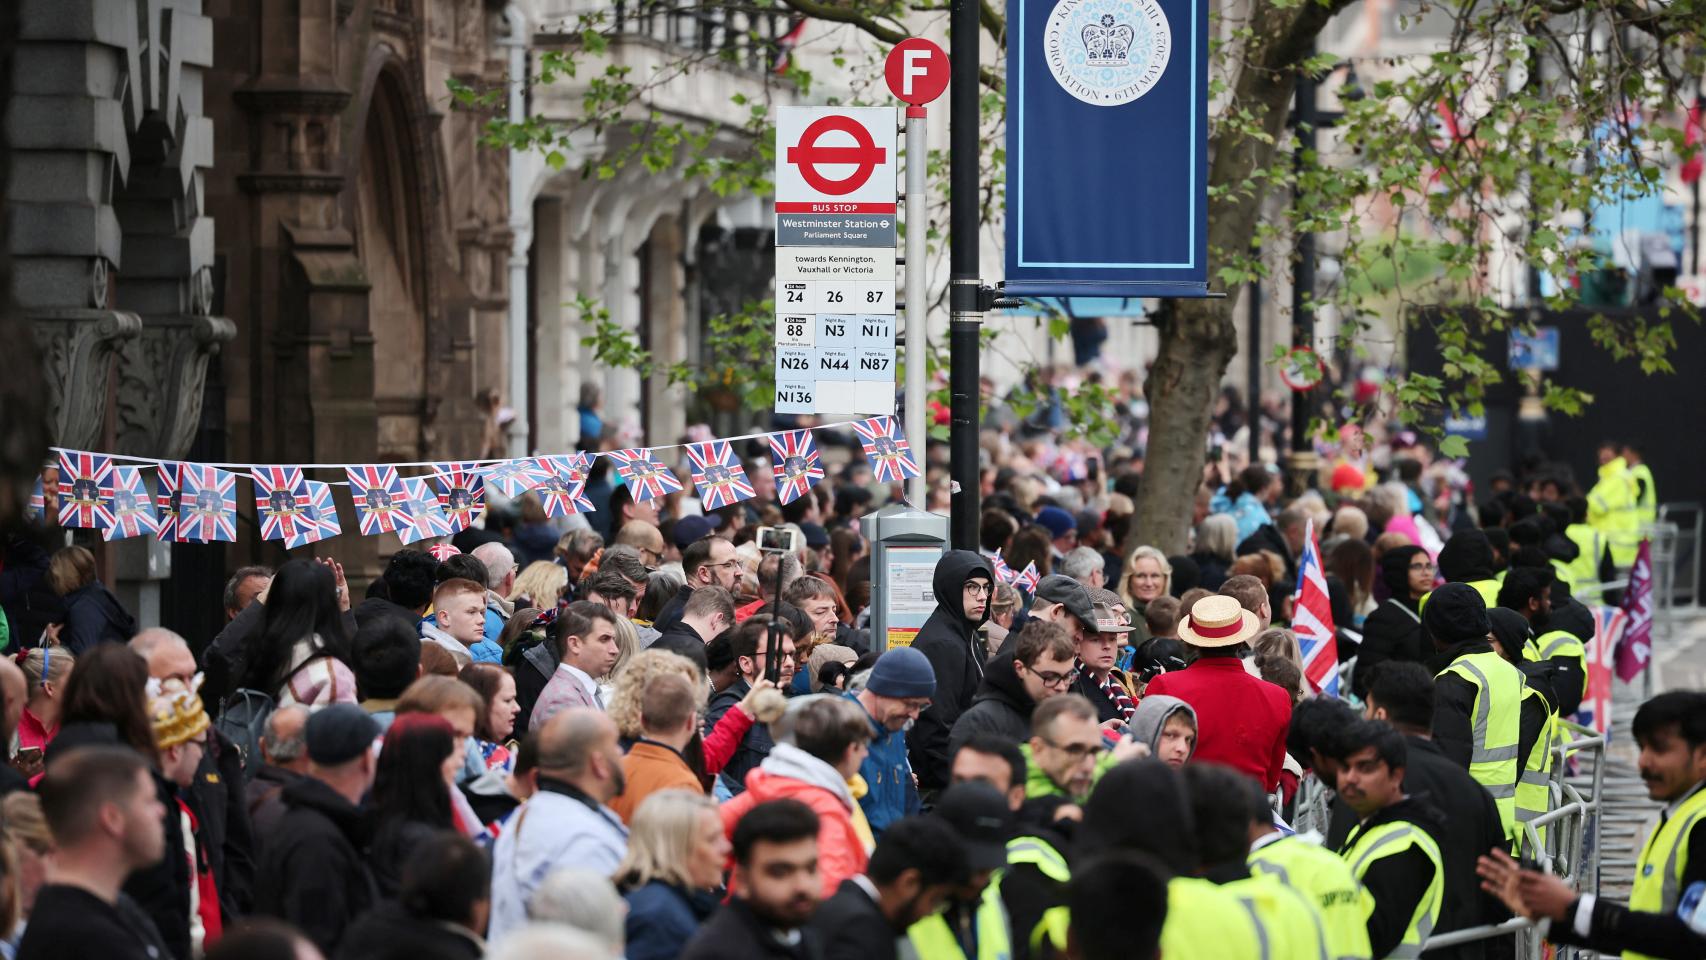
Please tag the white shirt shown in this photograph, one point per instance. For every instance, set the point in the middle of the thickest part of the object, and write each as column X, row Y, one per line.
column 581, row 677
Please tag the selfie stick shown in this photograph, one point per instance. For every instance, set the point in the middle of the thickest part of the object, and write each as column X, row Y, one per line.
column 773, row 640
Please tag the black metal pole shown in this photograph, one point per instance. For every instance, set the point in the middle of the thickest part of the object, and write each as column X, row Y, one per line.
column 1694, row 192
column 965, row 306
column 1302, row 284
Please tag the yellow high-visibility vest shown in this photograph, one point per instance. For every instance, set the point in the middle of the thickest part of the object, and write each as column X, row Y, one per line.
column 1365, row 847
column 1324, row 878
column 1496, row 728
column 1658, row 874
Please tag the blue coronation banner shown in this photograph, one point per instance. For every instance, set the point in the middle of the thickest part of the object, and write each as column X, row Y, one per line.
column 1107, row 148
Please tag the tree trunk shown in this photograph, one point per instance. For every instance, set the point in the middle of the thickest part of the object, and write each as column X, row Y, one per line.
column 1198, row 338
column 23, row 397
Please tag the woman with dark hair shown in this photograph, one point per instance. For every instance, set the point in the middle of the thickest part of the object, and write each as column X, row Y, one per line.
column 1032, row 545
column 411, row 792
column 109, row 685
column 493, row 725
column 92, row 613
column 300, row 652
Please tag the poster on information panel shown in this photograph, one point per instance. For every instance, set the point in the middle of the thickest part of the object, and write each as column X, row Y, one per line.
column 1107, row 148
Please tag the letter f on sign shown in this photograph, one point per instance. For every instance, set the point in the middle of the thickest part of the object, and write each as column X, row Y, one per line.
column 912, row 67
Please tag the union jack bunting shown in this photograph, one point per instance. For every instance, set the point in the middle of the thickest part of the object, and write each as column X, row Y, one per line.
column 207, row 504
column 132, row 508
column 563, row 489
column 718, row 475
column 166, row 500
column 422, row 513
column 319, row 519
column 885, row 446
column 442, row 551
column 1028, row 578
column 381, row 503
column 512, row 478
column 646, row 478
column 461, row 493
column 85, row 490
column 795, row 463
column 281, row 495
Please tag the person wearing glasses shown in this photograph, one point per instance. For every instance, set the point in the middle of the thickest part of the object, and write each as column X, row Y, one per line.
column 1068, row 753
column 961, row 585
column 1394, row 630
column 708, row 561
column 1037, row 663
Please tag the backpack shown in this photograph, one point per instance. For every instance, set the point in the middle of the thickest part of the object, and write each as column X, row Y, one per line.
column 242, row 720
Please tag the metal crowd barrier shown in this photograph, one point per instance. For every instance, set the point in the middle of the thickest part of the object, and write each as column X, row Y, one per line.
column 1567, row 850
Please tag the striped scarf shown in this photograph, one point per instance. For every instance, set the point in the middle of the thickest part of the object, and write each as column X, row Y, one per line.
column 1113, row 690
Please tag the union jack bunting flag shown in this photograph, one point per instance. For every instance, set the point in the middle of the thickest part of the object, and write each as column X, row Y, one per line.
column 381, row 503
column 85, row 490
column 461, row 493
column 885, row 446
column 133, row 509
column 281, row 495
column 442, row 551
column 563, row 489
column 512, row 478
column 166, row 500
column 646, row 478
column 1028, row 578
column 207, row 504
column 795, row 463
column 718, row 475
column 319, row 519
column 422, row 513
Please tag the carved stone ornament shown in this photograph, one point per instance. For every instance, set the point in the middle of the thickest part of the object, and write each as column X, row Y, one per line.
column 77, row 347
column 161, row 373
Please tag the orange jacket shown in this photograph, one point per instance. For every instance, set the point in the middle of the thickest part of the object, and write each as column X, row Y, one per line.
column 648, row 768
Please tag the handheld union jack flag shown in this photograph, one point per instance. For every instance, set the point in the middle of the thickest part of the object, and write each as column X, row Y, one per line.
column 646, row 477
column 795, row 463
column 886, row 447
column 718, row 475
column 563, row 491
column 424, row 517
column 85, row 490
column 318, row 520
column 207, row 504
column 166, row 499
column 1312, row 620
column 1003, row 573
column 133, row 509
column 380, row 500
column 280, row 497
column 1028, row 578
column 512, row 478
column 461, row 493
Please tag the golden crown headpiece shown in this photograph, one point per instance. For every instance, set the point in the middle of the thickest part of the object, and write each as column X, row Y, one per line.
column 176, row 710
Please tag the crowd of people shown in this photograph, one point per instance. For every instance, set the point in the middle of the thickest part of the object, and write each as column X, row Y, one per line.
column 638, row 734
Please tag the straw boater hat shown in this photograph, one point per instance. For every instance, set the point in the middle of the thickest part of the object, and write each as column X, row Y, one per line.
column 1218, row 622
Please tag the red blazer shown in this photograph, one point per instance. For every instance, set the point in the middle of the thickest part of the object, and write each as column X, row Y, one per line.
column 1241, row 719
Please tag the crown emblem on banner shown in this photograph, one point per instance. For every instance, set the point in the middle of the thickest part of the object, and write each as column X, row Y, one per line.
column 1107, row 44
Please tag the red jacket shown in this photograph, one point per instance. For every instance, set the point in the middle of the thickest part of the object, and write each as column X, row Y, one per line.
column 1241, row 720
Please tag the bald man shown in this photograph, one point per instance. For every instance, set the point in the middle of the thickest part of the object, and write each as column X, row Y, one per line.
column 500, row 583
column 217, row 793
column 568, row 822
column 645, row 538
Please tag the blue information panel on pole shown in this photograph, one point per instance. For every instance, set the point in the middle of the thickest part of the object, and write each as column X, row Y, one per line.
column 1107, row 148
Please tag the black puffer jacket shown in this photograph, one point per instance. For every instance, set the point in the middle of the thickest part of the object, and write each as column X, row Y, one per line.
column 312, row 872
column 1001, row 706
column 1394, row 630
column 950, row 641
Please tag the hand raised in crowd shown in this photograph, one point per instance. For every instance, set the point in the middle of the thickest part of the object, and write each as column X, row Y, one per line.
column 337, row 576
column 1528, row 893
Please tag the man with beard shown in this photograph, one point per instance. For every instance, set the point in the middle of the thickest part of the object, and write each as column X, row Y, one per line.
column 898, row 690
column 568, row 822
column 916, row 864
column 949, row 640
column 775, row 851
column 1392, row 851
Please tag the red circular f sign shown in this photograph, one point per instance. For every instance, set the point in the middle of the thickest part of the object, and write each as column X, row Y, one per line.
column 865, row 153
column 917, row 71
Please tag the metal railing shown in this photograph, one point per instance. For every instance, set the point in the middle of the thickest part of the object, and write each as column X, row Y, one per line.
column 1682, row 589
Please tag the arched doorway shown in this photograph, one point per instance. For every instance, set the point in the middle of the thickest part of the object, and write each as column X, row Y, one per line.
column 389, row 244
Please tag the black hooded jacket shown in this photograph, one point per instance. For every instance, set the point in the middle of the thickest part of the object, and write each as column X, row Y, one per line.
column 1394, row 630
column 1001, row 705
column 950, row 641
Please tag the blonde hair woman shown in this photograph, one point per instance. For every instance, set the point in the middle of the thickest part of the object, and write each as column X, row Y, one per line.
column 45, row 670
column 672, row 871
column 540, row 584
column 622, row 703
column 27, row 846
column 1148, row 575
